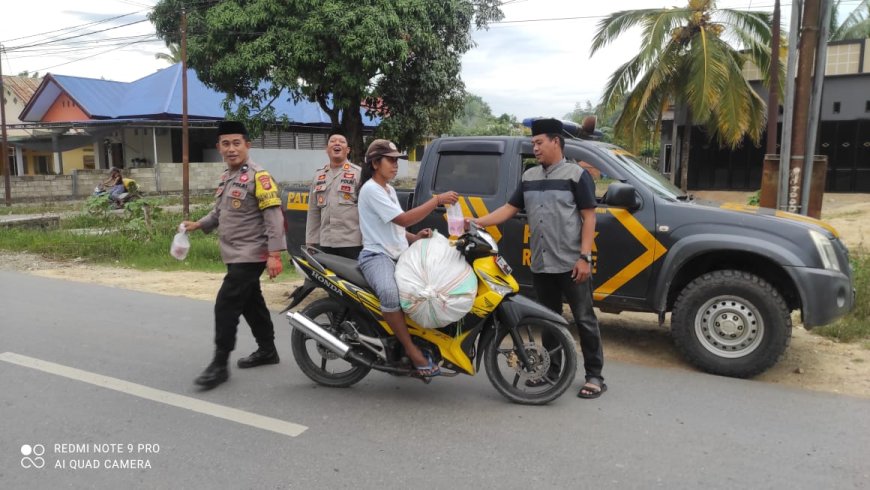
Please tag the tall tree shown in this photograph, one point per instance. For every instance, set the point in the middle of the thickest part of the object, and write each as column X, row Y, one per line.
column 856, row 25
column 399, row 58
column 686, row 61
column 476, row 119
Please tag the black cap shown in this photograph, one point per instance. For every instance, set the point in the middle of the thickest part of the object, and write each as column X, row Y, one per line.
column 232, row 127
column 546, row 126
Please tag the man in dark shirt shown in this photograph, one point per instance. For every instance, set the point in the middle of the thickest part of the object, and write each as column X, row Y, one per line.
column 559, row 199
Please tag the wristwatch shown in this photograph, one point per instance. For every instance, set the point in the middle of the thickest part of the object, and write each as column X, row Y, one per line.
column 587, row 258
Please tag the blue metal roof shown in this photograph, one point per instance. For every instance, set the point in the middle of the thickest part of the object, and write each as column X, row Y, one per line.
column 158, row 96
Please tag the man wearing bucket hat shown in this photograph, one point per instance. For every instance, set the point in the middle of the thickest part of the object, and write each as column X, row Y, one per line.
column 383, row 223
column 247, row 212
column 559, row 197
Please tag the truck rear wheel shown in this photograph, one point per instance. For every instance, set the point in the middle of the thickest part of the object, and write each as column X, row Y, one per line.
column 731, row 323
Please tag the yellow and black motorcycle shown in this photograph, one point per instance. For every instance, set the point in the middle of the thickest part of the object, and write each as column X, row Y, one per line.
column 337, row 340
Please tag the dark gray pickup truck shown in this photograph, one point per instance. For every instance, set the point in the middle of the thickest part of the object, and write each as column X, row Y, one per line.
column 729, row 274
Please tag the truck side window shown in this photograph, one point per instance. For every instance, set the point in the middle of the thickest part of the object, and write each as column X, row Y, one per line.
column 584, row 160
column 467, row 174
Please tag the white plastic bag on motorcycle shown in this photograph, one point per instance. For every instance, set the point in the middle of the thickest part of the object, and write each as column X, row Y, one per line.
column 180, row 244
column 436, row 286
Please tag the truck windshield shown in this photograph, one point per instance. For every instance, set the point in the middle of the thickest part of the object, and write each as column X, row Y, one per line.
column 656, row 181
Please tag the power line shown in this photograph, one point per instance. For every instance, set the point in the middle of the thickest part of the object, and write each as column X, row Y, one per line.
column 90, row 56
column 80, row 26
column 77, row 36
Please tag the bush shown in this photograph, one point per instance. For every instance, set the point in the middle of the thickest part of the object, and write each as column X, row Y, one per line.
column 856, row 325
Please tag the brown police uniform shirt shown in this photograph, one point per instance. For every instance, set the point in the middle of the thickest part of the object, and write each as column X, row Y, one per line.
column 333, row 219
column 247, row 214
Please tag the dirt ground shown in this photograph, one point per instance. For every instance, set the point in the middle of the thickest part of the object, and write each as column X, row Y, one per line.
column 811, row 362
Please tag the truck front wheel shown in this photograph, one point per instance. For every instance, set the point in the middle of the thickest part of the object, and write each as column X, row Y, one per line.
column 731, row 323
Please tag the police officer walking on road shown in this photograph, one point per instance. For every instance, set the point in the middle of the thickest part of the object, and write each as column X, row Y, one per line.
column 332, row 223
column 559, row 198
column 247, row 214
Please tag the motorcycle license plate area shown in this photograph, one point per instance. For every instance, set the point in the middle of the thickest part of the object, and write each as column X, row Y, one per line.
column 503, row 265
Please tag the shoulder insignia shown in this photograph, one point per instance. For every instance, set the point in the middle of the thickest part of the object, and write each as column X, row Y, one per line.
column 266, row 191
column 346, row 166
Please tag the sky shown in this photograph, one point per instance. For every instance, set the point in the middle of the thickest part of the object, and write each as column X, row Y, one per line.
column 535, row 62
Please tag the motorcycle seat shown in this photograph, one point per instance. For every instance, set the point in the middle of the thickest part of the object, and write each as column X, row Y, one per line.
column 344, row 267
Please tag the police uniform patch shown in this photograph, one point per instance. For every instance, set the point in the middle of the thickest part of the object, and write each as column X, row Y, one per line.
column 346, row 166
column 236, row 193
column 321, row 177
column 237, row 204
column 265, row 191
column 319, row 199
column 244, row 178
column 345, row 188
column 219, row 190
column 347, row 196
column 348, row 176
column 319, row 188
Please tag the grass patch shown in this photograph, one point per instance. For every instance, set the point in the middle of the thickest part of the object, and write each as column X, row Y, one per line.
column 139, row 238
column 856, row 325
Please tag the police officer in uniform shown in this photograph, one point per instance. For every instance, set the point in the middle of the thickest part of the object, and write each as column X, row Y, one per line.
column 332, row 223
column 247, row 214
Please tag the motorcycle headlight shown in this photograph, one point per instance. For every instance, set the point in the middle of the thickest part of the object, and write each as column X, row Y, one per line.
column 495, row 284
column 826, row 250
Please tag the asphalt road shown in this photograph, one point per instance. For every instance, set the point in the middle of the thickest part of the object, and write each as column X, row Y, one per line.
column 96, row 381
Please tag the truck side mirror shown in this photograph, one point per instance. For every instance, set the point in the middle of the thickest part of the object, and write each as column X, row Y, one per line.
column 620, row 195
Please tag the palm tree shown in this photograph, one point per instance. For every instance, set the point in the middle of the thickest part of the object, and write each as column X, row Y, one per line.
column 685, row 61
column 174, row 55
column 855, row 26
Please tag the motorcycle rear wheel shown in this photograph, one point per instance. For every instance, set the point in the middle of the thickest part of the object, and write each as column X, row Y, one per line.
column 322, row 366
column 553, row 368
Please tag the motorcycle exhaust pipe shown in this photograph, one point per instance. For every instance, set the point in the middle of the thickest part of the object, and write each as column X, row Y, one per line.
column 318, row 333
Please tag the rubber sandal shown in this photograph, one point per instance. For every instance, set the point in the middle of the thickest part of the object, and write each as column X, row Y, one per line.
column 430, row 370
column 602, row 387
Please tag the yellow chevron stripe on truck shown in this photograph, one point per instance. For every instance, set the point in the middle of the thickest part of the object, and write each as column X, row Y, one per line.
column 654, row 250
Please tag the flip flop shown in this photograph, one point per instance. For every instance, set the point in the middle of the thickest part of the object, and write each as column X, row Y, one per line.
column 602, row 387
column 430, row 370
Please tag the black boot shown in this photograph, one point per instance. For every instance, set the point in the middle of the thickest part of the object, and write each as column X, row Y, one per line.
column 216, row 372
column 260, row 357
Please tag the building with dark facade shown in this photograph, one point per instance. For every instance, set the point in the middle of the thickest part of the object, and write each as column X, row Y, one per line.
column 844, row 132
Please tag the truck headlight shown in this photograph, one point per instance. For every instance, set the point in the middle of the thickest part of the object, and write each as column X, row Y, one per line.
column 826, row 250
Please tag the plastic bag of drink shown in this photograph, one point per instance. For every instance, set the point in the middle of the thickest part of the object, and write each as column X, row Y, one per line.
column 455, row 220
column 436, row 286
column 180, row 244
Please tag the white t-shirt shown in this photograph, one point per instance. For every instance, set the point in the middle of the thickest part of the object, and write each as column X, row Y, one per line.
column 377, row 209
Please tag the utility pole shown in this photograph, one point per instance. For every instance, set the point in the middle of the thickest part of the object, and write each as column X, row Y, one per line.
column 3, row 149
column 806, row 55
column 185, row 147
column 773, row 94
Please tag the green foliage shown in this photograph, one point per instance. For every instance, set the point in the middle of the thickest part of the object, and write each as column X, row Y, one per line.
column 399, row 58
column 856, row 325
column 754, row 199
column 856, row 25
column 685, row 61
column 476, row 119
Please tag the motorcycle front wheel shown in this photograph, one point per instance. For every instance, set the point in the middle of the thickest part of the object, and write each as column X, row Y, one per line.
column 317, row 362
column 549, row 367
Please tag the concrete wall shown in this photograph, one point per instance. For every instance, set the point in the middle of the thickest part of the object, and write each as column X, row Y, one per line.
column 167, row 177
